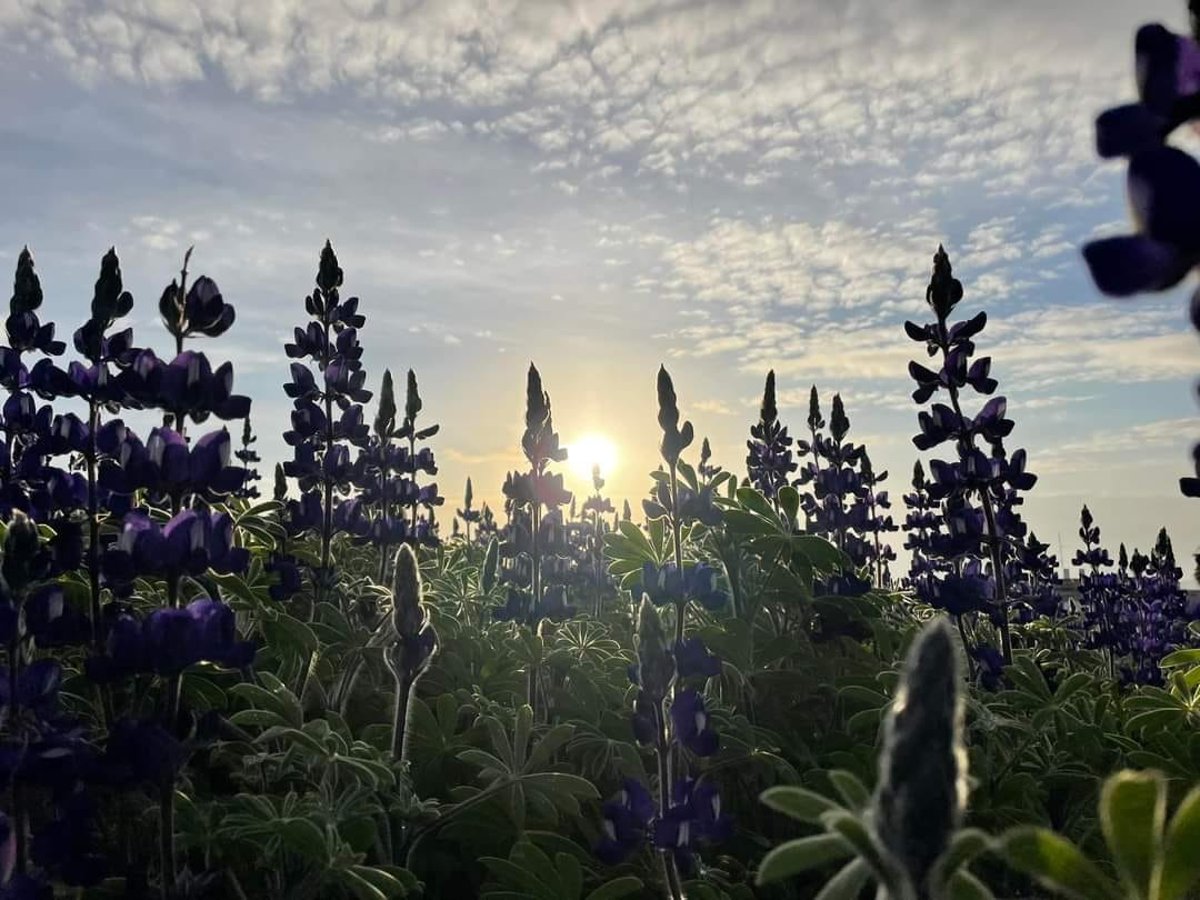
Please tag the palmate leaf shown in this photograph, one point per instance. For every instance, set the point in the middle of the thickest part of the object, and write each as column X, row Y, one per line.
column 616, row 888
column 530, row 873
column 1181, row 860
column 1057, row 864
column 1133, row 809
column 799, row 803
column 373, row 883
column 802, row 854
column 848, row 883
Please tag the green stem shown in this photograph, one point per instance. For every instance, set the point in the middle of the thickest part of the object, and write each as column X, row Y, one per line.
column 670, row 870
column 993, row 538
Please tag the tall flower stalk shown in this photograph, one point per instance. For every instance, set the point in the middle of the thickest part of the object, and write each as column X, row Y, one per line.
column 769, row 462
column 321, row 459
column 533, row 497
column 975, row 476
column 670, row 719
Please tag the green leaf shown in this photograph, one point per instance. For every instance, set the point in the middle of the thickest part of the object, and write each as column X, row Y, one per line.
column 570, row 873
column 513, row 875
column 848, row 883
column 618, row 887
column 966, row 844
column 965, row 886
column 261, row 718
column 853, row 792
column 1181, row 861
column 1057, row 863
column 797, row 802
column 800, row 855
column 291, row 634
column 304, row 838
column 1133, row 807
column 547, row 746
column 851, row 828
column 521, row 733
column 789, row 501
column 1189, row 657
column 385, row 882
column 360, row 887
column 484, row 760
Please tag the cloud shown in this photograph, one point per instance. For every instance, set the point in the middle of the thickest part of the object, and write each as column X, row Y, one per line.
column 744, row 92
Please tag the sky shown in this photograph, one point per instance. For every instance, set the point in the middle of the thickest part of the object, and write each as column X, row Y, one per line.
column 604, row 187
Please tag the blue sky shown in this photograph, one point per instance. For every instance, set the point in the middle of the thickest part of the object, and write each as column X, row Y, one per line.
column 604, row 186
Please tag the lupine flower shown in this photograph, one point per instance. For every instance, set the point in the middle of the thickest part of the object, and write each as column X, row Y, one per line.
column 868, row 520
column 707, row 471
column 695, row 817
column 248, row 457
column 533, row 498
column 992, row 529
column 53, row 622
column 25, row 331
column 189, row 544
column 690, row 723
column 321, row 461
column 1163, row 182
column 664, row 584
column 990, row 666
column 769, row 463
column 692, row 660
column 627, row 818
column 168, row 641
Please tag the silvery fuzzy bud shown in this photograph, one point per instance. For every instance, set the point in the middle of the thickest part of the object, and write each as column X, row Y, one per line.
column 407, row 613
column 656, row 665
column 922, row 792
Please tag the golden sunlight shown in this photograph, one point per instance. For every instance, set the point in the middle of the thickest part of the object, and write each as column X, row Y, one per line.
column 590, row 450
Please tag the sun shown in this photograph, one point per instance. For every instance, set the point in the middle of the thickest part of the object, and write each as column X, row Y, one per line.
column 590, row 450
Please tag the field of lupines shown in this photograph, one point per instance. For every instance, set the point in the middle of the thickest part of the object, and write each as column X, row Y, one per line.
column 325, row 685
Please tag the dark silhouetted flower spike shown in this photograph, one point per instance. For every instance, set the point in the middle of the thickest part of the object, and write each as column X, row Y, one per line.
column 534, row 498
column 769, row 463
column 327, row 395
column 922, row 792
column 944, row 290
column 675, row 439
column 979, row 489
column 385, row 415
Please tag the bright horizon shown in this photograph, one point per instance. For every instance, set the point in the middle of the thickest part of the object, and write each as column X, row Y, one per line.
column 603, row 187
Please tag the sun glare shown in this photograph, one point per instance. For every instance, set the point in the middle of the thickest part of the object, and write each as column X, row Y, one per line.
column 592, row 450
